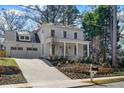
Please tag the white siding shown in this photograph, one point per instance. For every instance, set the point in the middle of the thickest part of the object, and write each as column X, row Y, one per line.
column 22, row 53
column 10, row 35
column 59, row 32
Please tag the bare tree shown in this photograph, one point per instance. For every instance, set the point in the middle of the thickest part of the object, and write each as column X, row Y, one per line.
column 12, row 21
column 52, row 14
column 42, row 14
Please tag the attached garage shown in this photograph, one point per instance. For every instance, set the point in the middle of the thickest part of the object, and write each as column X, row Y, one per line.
column 23, row 49
column 24, row 52
column 22, row 45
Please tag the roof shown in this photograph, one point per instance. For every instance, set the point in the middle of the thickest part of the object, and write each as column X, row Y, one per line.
column 23, row 33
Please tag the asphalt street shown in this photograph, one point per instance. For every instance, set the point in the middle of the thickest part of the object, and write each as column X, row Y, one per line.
column 110, row 85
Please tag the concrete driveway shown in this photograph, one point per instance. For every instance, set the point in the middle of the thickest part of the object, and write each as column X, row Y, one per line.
column 37, row 70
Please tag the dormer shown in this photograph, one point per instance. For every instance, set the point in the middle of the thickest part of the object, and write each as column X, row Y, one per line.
column 24, row 36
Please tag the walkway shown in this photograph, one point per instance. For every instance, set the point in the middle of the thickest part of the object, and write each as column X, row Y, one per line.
column 36, row 70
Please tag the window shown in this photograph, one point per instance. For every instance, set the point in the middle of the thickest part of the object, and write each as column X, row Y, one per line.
column 20, row 48
column 74, row 50
column 27, row 37
column 75, row 35
column 35, row 49
column 13, row 48
column 22, row 37
column 29, row 49
column 85, row 50
column 64, row 34
column 52, row 33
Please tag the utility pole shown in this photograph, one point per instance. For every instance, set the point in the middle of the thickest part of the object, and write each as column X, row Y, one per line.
column 114, row 36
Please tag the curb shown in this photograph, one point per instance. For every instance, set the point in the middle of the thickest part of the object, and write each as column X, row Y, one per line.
column 24, row 85
column 65, row 83
column 81, row 86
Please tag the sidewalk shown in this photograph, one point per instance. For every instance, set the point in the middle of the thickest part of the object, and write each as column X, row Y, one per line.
column 59, row 83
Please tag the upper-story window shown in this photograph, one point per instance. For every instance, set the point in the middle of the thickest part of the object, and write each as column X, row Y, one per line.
column 27, row 37
column 52, row 33
column 64, row 34
column 22, row 37
column 75, row 35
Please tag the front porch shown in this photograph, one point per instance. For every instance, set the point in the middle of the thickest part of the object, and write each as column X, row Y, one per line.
column 72, row 49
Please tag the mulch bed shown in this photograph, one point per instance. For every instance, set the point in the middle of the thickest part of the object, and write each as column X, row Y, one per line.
column 11, row 75
column 79, row 71
column 12, row 79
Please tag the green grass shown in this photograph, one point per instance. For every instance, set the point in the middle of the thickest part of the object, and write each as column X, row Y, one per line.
column 8, row 62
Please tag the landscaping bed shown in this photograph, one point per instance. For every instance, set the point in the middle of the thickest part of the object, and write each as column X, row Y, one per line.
column 10, row 72
column 80, row 70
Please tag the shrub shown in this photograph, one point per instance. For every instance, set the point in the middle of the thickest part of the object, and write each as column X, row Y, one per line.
column 105, row 70
column 87, row 60
column 55, row 60
column 121, row 62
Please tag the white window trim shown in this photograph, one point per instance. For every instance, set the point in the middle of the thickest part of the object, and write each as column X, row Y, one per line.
column 24, row 38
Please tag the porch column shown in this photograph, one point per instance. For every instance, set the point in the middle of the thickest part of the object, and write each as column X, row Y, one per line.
column 64, row 49
column 50, row 49
column 88, row 50
column 77, row 50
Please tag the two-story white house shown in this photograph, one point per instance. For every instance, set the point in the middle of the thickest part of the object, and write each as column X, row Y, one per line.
column 50, row 40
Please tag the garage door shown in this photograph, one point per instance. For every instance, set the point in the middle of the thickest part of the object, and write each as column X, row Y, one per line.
column 17, row 52
column 32, row 52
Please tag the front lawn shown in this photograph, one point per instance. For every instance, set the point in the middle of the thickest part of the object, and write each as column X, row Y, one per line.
column 8, row 62
column 10, row 72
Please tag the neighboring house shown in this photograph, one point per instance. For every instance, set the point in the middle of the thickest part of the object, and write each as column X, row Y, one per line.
column 50, row 40
column 1, row 40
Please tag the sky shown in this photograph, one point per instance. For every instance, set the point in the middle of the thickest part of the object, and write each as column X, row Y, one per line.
column 16, row 7
column 81, row 8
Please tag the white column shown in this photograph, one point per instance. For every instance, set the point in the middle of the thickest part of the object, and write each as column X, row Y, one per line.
column 50, row 49
column 77, row 50
column 64, row 49
column 88, row 50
